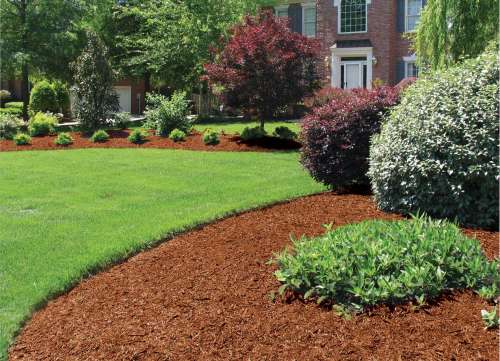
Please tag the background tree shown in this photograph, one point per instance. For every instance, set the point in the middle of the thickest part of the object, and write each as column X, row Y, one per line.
column 42, row 36
column 453, row 29
column 94, row 79
column 264, row 66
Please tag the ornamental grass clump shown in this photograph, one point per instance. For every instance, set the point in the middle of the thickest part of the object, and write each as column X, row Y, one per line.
column 64, row 139
column 386, row 262
column 99, row 136
column 210, row 137
column 138, row 136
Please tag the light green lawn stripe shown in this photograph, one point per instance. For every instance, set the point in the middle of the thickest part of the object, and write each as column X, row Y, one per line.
column 64, row 214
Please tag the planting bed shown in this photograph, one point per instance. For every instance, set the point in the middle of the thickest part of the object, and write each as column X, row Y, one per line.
column 118, row 139
column 205, row 295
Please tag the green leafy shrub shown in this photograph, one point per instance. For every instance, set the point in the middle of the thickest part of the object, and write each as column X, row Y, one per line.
column 12, row 111
column 43, row 98
column 22, row 139
column 438, row 150
column 284, row 133
column 490, row 318
column 42, row 124
column 63, row 139
column 177, row 135
column 9, row 125
column 383, row 262
column 99, row 136
column 255, row 133
column 165, row 115
column 138, row 136
column 62, row 96
column 121, row 120
column 4, row 96
column 211, row 137
column 16, row 105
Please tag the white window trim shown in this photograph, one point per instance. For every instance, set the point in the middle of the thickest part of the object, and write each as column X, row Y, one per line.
column 337, row 3
column 406, row 15
column 339, row 53
column 281, row 8
column 409, row 59
column 304, row 7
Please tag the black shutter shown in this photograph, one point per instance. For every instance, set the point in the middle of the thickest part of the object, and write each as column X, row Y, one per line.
column 400, row 71
column 424, row 2
column 401, row 16
column 295, row 15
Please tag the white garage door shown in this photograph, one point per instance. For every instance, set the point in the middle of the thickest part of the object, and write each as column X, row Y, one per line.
column 125, row 97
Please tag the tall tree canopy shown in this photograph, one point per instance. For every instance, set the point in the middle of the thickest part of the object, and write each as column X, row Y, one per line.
column 171, row 39
column 453, row 29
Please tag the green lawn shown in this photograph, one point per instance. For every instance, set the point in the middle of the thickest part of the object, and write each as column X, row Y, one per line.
column 65, row 214
column 237, row 127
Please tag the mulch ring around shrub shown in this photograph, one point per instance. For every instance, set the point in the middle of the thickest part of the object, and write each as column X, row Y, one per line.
column 118, row 139
column 204, row 295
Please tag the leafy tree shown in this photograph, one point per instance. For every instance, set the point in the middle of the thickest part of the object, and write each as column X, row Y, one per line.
column 41, row 36
column 264, row 66
column 453, row 29
column 94, row 78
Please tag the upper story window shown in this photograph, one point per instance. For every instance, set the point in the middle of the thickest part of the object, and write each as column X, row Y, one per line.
column 309, row 20
column 353, row 16
column 412, row 16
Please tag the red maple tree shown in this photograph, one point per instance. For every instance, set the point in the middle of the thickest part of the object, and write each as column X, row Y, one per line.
column 264, row 66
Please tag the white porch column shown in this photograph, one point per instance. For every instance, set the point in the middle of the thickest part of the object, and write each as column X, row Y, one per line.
column 369, row 69
column 336, row 71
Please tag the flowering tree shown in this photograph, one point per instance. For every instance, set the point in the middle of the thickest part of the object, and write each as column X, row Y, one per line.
column 264, row 66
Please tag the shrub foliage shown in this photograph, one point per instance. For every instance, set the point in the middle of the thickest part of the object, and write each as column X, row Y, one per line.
column 211, row 137
column 177, row 135
column 284, row 133
column 138, row 136
column 264, row 66
column 382, row 262
column 336, row 136
column 249, row 134
column 9, row 125
column 99, row 136
column 63, row 139
column 438, row 151
column 165, row 115
column 42, row 124
column 43, row 98
column 22, row 139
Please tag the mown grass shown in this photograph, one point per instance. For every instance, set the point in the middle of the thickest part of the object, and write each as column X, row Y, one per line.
column 237, row 127
column 64, row 215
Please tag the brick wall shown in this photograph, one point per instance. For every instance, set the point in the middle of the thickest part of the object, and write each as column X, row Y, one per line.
column 388, row 44
column 138, row 87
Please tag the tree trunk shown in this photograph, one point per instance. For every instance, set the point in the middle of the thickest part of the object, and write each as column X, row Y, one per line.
column 25, row 69
column 147, row 82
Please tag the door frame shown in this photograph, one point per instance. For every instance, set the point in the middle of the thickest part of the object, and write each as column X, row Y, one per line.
column 339, row 53
column 360, row 64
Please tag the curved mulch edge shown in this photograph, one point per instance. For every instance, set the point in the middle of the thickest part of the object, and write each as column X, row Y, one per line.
column 118, row 139
column 205, row 295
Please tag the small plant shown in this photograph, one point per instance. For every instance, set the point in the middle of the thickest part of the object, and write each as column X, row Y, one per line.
column 138, row 136
column 43, row 98
column 121, row 120
column 4, row 96
column 285, row 133
column 42, row 124
column 255, row 133
column 63, row 139
column 12, row 111
column 22, row 139
column 100, row 136
column 211, row 137
column 382, row 262
column 9, row 125
column 17, row 105
column 490, row 318
column 177, row 135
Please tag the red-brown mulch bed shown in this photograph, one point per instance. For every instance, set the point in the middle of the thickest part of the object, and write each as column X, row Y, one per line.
column 118, row 139
column 204, row 295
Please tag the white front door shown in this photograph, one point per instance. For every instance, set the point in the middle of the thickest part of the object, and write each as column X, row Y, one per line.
column 353, row 75
column 125, row 98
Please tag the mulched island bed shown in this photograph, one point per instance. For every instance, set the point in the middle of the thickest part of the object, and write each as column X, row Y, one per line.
column 118, row 139
column 205, row 295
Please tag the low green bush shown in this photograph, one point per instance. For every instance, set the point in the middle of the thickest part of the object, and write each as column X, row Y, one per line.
column 211, row 137
column 177, row 135
column 490, row 318
column 99, row 136
column 383, row 262
column 121, row 120
column 42, row 124
column 254, row 133
column 17, row 105
column 13, row 111
column 63, row 139
column 43, row 98
column 285, row 133
column 165, row 115
column 138, row 136
column 9, row 125
column 22, row 139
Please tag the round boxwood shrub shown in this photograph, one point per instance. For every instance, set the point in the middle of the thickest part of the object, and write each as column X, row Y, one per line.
column 99, row 136
column 22, row 139
column 138, row 136
column 42, row 124
column 210, row 137
column 438, row 151
column 386, row 262
column 255, row 133
column 64, row 139
column 43, row 98
column 336, row 136
column 284, row 133
column 177, row 135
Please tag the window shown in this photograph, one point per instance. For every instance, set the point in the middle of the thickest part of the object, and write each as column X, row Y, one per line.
column 413, row 10
column 411, row 69
column 309, row 20
column 281, row 11
column 353, row 17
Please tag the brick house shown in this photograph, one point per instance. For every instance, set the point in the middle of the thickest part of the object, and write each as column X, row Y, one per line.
column 361, row 40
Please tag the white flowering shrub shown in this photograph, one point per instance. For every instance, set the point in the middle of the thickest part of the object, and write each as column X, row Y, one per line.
column 438, row 150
